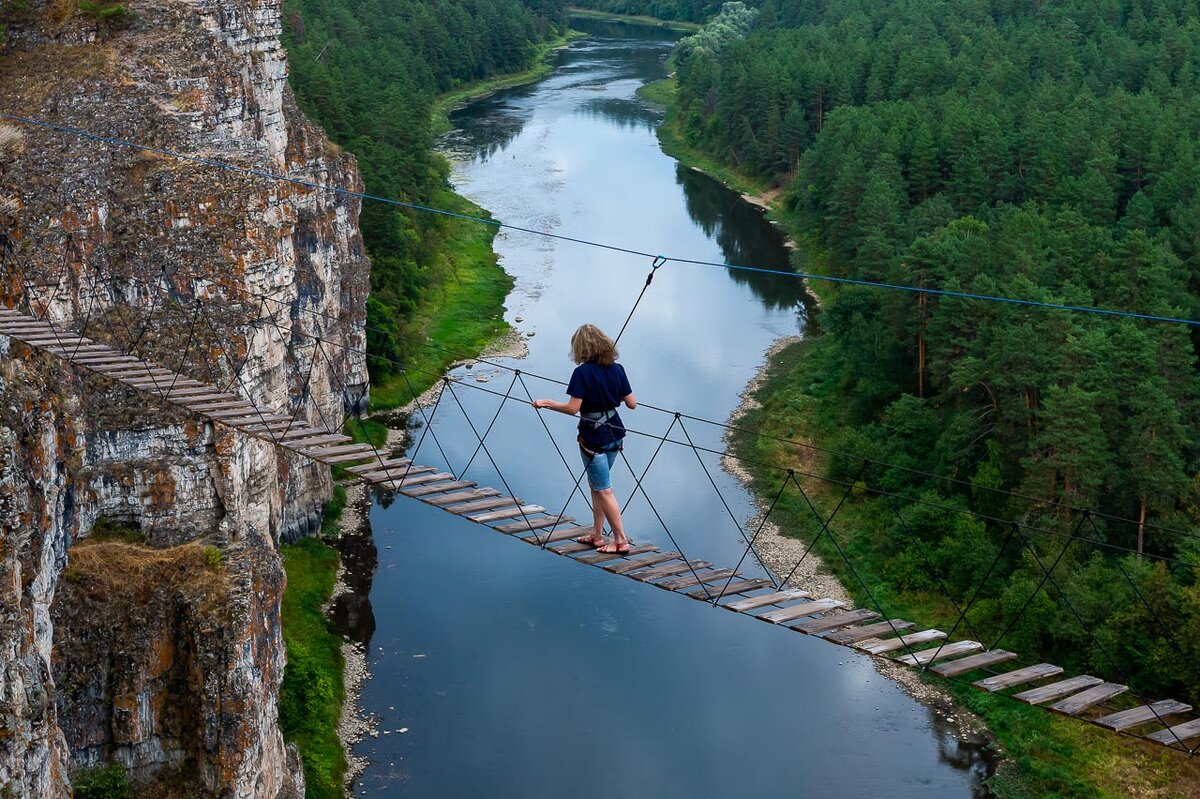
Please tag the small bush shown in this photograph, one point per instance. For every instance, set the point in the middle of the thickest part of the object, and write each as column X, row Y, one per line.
column 114, row 16
column 104, row 782
column 212, row 558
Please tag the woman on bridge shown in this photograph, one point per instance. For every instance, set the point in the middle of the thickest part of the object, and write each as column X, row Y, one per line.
column 598, row 385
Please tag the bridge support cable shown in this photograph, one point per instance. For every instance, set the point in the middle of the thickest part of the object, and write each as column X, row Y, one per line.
column 936, row 572
column 448, row 386
column 1087, row 630
column 750, row 546
column 492, row 423
column 987, row 575
column 827, row 531
column 655, row 264
column 822, row 520
column 639, row 485
column 578, row 479
column 749, row 541
column 1170, row 637
column 1041, row 584
column 433, row 490
column 723, row 425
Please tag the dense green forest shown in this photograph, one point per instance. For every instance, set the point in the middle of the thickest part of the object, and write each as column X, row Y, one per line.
column 369, row 71
column 1044, row 151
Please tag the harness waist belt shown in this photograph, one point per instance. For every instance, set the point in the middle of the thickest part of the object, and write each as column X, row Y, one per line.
column 598, row 418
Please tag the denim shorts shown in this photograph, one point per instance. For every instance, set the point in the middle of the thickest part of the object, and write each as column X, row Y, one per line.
column 599, row 467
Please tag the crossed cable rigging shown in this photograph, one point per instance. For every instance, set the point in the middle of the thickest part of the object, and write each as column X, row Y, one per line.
column 1017, row 529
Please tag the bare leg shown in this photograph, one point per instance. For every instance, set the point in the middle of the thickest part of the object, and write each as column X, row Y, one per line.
column 605, row 503
column 597, row 516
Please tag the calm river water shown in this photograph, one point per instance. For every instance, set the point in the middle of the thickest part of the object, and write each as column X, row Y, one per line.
column 516, row 673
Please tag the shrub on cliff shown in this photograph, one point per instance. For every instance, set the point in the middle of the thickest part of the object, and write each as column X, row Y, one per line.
column 107, row 782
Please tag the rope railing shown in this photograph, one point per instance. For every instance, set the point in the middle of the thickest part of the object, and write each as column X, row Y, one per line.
column 863, row 481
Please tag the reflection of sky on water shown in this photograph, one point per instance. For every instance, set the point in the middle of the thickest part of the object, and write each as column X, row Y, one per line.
column 522, row 675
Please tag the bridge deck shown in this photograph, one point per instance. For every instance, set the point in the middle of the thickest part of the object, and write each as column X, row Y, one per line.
column 896, row 640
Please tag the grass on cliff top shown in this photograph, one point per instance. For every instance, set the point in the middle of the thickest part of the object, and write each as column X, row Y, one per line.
column 1046, row 755
column 463, row 316
column 310, row 699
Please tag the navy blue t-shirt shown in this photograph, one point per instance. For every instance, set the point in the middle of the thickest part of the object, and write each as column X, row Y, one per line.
column 601, row 388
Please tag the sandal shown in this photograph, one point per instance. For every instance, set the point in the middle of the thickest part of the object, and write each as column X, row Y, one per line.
column 614, row 548
column 590, row 540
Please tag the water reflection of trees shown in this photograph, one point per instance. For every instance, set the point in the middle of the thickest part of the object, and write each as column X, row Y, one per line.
column 744, row 237
column 483, row 129
column 627, row 113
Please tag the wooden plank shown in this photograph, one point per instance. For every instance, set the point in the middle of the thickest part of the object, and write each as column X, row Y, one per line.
column 188, row 402
column 569, row 547
column 641, row 563
column 939, row 653
column 855, row 634
column 481, row 504
column 703, row 578
column 393, row 473
column 973, row 662
column 524, row 526
column 244, row 422
column 309, row 442
column 346, row 449
column 878, row 646
column 186, row 393
column 217, row 403
column 559, row 535
column 507, row 513
column 252, row 414
column 292, row 431
column 775, row 597
column 1074, row 705
column 437, row 488
column 999, row 682
column 102, row 359
column 352, row 458
column 1035, row 696
column 1178, row 733
column 669, row 570
column 734, row 588
column 458, row 496
column 596, row 557
column 834, row 620
column 803, row 609
column 387, row 464
column 1145, row 714
column 59, row 343
column 419, row 480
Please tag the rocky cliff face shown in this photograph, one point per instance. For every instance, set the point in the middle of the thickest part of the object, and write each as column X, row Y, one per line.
column 233, row 279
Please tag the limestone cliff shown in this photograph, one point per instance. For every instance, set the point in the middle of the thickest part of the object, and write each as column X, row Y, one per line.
column 171, row 259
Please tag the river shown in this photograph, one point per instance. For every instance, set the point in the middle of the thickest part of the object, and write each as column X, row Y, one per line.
column 499, row 670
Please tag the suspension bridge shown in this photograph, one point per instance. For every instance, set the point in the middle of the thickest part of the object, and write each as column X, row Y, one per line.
column 766, row 599
column 769, row 599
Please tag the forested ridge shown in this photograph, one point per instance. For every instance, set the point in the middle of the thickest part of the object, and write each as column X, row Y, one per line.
column 370, row 71
column 1043, row 151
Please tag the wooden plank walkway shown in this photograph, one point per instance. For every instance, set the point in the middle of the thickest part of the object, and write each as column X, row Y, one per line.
column 897, row 640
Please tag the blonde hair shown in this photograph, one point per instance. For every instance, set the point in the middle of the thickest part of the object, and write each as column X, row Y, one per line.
column 590, row 344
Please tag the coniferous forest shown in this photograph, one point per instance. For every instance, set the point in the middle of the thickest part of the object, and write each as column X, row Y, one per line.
column 1040, row 151
column 369, row 71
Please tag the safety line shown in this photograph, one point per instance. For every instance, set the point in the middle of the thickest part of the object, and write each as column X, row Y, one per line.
column 261, row 173
column 264, row 298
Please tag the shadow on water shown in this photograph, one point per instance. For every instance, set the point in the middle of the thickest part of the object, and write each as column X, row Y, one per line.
column 745, row 239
